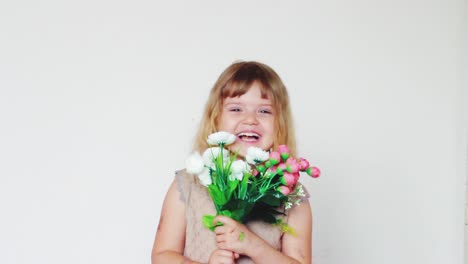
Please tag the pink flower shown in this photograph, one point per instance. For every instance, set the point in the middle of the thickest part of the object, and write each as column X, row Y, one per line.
column 282, row 166
column 303, row 164
column 313, row 171
column 297, row 175
column 284, row 151
column 285, row 190
column 289, row 179
column 291, row 165
column 293, row 168
column 275, row 157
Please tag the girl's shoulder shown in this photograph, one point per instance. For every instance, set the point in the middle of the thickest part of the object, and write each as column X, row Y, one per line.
column 183, row 181
column 186, row 183
column 183, row 177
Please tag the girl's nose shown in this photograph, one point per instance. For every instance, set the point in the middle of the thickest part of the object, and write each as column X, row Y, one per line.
column 251, row 119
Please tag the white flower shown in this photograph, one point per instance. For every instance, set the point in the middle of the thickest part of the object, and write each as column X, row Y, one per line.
column 294, row 198
column 205, row 177
column 256, row 155
column 236, row 176
column 221, row 137
column 300, row 191
column 211, row 153
column 238, row 167
column 194, row 163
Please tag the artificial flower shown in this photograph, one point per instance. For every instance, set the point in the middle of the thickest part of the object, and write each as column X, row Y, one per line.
column 284, row 151
column 275, row 157
column 194, row 163
column 295, row 197
column 252, row 188
column 256, row 155
column 238, row 168
column 289, row 179
column 211, row 153
column 285, row 190
column 291, row 165
column 221, row 137
column 205, row 177
column 313, row 171
column 303, row 164
column 283, row 166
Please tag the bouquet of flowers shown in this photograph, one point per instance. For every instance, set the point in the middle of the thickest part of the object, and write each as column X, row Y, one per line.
column 260, row 187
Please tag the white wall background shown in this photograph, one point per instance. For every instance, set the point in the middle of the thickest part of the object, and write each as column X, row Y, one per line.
column 99, row 101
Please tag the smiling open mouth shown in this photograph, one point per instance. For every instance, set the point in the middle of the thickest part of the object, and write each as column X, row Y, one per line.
column 248, row 136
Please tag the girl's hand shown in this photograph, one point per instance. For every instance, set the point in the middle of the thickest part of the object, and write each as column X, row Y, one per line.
column 221, row 256
column 234, row 236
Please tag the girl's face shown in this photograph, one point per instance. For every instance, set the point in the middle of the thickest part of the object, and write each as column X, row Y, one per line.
column 251, row 118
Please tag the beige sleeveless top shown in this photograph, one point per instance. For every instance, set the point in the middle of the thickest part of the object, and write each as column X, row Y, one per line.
column 200, row 241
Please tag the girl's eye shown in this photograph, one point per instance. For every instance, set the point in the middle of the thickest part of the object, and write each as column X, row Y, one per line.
column 235, row 109
column 265, row 111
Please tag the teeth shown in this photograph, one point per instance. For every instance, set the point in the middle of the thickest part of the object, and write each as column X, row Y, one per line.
column 248, row 135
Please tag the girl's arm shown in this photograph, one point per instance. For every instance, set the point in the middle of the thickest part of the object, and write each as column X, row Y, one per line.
column 299, row 246
column 170, row 237
column 295, row 248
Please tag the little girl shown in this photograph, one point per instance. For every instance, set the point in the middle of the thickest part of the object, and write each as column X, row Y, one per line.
column 250, row 101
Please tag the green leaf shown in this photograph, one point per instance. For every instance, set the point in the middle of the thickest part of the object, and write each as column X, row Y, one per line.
column 238, row 214
column 285, row 227
column 243, row 187
column 208, row 221
column 241, row 237
column 271, row 200
column 226, row 213
column 232, row 187
column 217, row 195
column 269, row 218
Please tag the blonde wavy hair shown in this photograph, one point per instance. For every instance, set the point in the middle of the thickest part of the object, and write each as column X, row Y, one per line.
column 235, row 81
